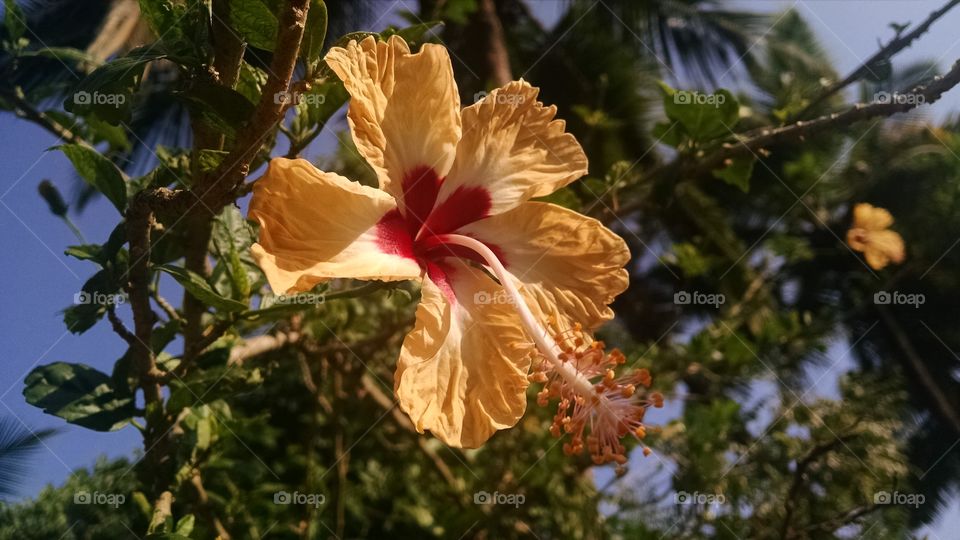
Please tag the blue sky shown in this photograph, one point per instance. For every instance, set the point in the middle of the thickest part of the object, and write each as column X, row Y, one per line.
column 38, row 280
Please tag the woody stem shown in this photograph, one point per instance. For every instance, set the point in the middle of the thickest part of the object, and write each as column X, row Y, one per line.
column 541, row 337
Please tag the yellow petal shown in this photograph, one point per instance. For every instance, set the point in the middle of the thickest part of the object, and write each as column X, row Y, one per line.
column 571, row 264
column 867, row 216
column 316, row 225
column 462, row 370
column 883, row 247
column 404, row 108
column 513, row 149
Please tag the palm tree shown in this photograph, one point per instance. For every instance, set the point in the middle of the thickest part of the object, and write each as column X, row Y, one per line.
column 17, row 443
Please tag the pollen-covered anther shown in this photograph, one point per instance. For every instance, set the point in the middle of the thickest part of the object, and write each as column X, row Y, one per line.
column 596, row 407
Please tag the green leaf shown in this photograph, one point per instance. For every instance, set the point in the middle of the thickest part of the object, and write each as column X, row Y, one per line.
column 181, row 23
column 85, row 252
column 689, row 259
column 163, row 16
column 232, row 237
column 107, row 92
column 209, row 160
column 14, row 21
column 703, row 116
column 314, row 34
column 67, row 55
column 737, row 172
column 316, row 107
column 185, row 525
column 224, row 108
column 90, row 303
column 114, row 135
column 80, row 395
column 201, row 290
column 213, row 384
column 792, row 248
column 101, row 254
column 255, row 22
column 99, row 172
column 669, row 133
column 412, row 33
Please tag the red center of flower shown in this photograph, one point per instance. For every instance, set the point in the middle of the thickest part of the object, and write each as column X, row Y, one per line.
column 416, row 232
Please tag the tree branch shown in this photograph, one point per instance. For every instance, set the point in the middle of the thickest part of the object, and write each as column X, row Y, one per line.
column 898, row 43
column 756, row 140
column 495, row 57
column 258, row 345
column 24, row 109
column 206, row 507
column 118, row 326
column 140, row 221
column 229, row 176
column 162, row 509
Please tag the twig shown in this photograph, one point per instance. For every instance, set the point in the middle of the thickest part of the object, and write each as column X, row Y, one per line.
column 258, row 345
column 754, row 141
column 165, row 306
column 898, row 43
column 27, row 111
column 206, row 507
column 119, row 327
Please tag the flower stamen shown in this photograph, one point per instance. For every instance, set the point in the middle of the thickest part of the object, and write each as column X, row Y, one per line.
column 576, row 370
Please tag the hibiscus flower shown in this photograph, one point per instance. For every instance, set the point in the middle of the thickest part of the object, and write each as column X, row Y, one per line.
column 870, row 234
column 452, row 208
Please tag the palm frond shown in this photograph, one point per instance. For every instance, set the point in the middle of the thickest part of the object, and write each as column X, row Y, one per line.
column 698, row 42
column 17, row 443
